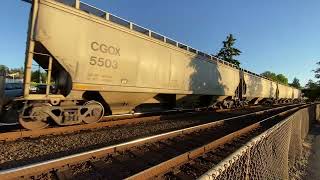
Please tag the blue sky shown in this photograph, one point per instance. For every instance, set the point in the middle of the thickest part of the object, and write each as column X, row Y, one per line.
column 280, row 36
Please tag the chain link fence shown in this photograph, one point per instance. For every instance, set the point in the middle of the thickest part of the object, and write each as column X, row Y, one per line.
column 271, row 154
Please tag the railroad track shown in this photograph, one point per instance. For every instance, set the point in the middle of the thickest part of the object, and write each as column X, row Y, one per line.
column 156, row 156
column 13, row 131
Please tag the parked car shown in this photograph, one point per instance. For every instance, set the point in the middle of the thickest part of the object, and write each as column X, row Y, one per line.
column 13, row 89
column 33, row 89
column 41, row 89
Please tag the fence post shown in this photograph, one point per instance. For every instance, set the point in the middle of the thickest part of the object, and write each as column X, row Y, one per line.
column 77, row 4
column 2, row 88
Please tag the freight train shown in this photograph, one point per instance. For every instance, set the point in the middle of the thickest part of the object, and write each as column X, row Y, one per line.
column 104, row 65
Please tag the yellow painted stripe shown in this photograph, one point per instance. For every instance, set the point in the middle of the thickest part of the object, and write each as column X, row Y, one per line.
column 80, row 86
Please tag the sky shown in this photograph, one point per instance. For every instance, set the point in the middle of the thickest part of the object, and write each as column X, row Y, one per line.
column 279, row 36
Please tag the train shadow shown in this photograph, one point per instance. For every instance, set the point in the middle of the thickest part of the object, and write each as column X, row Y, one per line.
column 203, row 84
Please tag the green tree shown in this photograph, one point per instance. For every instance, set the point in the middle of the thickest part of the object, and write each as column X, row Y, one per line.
column 228, row 51
column 4, row 68
column 275, row 77
column 311, row 85
column 295, row 83
column 312, row 90
column 270, row 75
column 317, row 71
column 282, row 79
column 38, row 76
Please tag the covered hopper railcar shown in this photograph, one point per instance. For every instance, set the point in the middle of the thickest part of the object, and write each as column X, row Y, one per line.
column 105, row 65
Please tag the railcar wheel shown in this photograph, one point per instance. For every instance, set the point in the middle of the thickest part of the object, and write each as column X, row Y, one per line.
column 38, row 119
column 91, row 112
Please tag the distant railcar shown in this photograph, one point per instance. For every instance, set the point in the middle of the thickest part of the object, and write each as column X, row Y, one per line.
column 105, row 65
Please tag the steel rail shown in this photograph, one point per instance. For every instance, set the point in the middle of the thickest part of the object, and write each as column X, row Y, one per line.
column 168, row 165
column 49, row 165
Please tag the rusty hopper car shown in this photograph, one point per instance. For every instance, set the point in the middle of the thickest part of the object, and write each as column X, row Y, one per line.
column 105, row 65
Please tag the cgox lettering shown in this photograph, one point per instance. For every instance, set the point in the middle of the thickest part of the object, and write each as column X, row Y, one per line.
column 95, row 46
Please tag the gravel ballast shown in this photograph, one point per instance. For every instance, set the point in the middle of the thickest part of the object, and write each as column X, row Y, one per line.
column 25, row 151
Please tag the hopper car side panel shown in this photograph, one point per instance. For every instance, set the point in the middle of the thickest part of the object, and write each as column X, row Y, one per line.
column 228, row 79
column 283, row 91
column 273, row 89
column 259, row 88
column 290, row 93
column 96, row 52
column 204, row 77
column 254, row 86
column 269, row 88
column 178, row 71
column 296, row 93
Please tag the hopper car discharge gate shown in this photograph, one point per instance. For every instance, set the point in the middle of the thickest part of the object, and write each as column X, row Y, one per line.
column 83, row 97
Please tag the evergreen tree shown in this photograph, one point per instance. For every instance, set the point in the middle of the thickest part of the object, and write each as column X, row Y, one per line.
column 228, row 51
column 311, row 85
column 317, row 72
column 312, row 89
column 296, row 83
